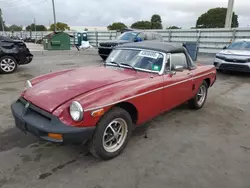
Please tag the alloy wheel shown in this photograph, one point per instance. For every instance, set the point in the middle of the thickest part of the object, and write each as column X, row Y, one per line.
column 201, row 95
column 7, row 65
column 115, row 135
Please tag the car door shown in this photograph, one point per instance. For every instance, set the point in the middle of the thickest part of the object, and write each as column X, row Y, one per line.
column 178, row 81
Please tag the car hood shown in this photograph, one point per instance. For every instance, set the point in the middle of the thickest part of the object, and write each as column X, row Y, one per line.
column 55, row 91
column 236, row 52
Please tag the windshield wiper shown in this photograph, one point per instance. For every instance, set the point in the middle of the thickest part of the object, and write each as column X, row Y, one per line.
column 112, row 62
column 128, row 65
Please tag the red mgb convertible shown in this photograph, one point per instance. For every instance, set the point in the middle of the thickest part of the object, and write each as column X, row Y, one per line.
column 100, row 105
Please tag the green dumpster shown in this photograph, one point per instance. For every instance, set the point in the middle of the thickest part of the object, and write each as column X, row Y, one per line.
column 57, row 41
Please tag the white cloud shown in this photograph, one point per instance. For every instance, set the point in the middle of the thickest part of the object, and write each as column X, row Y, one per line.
column 182, row 13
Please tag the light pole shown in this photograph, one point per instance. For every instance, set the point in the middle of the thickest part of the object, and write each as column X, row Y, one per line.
column 35, row 23
column 35, row 27
column 228, row 22
column 2, row 21
column 54, row 13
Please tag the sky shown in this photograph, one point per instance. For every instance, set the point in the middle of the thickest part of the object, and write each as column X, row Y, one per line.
column 182, row 13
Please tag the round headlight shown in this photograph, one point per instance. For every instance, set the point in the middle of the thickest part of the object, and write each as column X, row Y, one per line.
column 76, row 111
column 28, row 84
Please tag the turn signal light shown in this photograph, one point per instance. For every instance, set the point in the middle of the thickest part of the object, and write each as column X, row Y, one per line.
column 55, row 136
column 97, row 113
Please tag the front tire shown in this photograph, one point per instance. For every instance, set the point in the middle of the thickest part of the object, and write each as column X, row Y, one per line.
column 8, row 64
column 112, row 134
column 199, row 99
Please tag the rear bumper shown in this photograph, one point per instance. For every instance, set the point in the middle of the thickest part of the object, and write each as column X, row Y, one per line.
column 24, row 57
column 39, row 123
column 240, row 67
column 26, row 60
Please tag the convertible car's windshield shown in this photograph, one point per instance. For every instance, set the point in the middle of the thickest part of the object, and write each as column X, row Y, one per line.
column 130, row 36
column 239, row 46
column 144, row 60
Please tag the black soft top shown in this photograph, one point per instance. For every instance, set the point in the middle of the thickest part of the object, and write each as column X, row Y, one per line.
column 167, row 47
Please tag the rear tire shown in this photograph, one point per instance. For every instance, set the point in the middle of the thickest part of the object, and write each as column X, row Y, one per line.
column 112, row 134
column 8, row 64
column 199, row 99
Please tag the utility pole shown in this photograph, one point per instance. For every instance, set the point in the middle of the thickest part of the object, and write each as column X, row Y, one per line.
column 228, row 21
column 2, row 20
column 35, row 23
column 35, row 27
column 54, row 13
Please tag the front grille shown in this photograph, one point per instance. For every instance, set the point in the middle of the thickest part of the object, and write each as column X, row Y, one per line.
column 237, row 60
column 35, row 111
column 109, row 45
column 233, row 60
column 104, row 51
column 235, row 67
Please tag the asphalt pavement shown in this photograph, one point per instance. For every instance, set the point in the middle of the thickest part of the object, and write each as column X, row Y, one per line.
column 179, row 149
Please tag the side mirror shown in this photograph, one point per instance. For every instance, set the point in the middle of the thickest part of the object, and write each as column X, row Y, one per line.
column 225, row 47
column 178, row 68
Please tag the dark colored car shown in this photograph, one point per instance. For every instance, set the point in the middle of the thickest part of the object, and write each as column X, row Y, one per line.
column 12, row 54
column 15, row 38
column 29, row 39
column 105, row 48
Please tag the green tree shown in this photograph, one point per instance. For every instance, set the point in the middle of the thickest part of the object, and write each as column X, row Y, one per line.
column 15, row 28
column 156, row 22
column 141, row 25
column 173, row 27
column 33, row 27
column 117, row 26
column 215, row 18
column 59, row 26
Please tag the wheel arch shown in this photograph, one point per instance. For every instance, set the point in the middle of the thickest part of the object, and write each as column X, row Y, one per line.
column 208, row 81
column 130, row 108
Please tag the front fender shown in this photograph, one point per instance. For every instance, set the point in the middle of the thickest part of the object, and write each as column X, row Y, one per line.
column 105, row 98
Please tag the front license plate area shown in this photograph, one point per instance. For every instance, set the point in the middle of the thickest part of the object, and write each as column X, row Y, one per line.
column 21, row 125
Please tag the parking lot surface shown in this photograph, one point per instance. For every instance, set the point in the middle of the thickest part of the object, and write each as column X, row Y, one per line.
column 179, row 149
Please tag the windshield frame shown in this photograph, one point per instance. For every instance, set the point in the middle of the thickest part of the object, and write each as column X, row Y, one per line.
column 165, row 56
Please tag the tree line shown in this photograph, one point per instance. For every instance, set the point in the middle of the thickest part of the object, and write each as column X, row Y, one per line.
column 213, row 18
